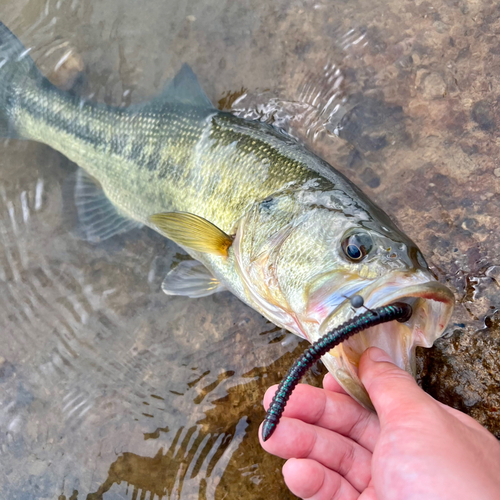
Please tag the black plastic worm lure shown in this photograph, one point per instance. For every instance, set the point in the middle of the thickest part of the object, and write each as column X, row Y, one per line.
column 398, row 311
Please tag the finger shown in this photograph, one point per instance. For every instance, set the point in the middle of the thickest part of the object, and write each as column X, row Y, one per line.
column 393, row 391
column 296, row 439
column 330, row 384
column 331, row 410
column 312, row 481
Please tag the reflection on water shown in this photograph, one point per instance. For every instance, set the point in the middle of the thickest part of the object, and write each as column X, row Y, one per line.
column 167, row 472
column 112, row 390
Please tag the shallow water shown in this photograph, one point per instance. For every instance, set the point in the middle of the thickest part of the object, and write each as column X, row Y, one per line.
column 112, row 390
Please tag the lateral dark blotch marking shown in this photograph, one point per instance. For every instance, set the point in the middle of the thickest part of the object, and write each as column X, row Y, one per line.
column 163, row 172
column 267, row 203
column 82, row 130
column 117, row 144
column 153, row 160
column 137, row 153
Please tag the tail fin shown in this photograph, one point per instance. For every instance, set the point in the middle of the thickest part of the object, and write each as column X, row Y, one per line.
column 17, row 71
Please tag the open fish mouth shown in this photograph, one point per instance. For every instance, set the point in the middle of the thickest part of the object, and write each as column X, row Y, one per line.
column 432, row 305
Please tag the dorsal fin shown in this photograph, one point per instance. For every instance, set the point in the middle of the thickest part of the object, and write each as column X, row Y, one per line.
column 182, row 89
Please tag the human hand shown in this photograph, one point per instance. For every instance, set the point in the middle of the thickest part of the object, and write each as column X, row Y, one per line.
column 413, row 448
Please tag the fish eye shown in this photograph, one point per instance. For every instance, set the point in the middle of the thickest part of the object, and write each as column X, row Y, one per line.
column 356, row 246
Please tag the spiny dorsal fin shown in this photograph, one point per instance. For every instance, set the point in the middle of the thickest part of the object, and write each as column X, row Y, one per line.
column 182, row 89
column 191, row 279
column 191, row 231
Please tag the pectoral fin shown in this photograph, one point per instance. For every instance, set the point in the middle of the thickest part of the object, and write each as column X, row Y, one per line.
column 191, row 231
column 191, row 279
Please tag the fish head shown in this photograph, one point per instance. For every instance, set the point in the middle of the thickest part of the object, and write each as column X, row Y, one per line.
column 302, row 254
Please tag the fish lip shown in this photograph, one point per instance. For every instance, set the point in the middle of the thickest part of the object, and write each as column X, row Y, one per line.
column 432, row 304
column 420, row 286
column 431, row 290
column 435, row 312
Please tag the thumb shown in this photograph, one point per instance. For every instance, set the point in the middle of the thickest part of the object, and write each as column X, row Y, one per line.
column 393, row 391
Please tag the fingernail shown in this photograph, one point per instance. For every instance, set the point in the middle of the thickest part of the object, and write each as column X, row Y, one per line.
column 379, row 356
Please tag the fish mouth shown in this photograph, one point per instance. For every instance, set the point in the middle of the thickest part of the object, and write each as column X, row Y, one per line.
column 432, row 304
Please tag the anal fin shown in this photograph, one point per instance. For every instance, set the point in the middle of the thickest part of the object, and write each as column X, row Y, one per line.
column 98, row 218
column 191, row 279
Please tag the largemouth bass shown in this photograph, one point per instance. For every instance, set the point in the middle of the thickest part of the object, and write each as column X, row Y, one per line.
column 260, row 214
